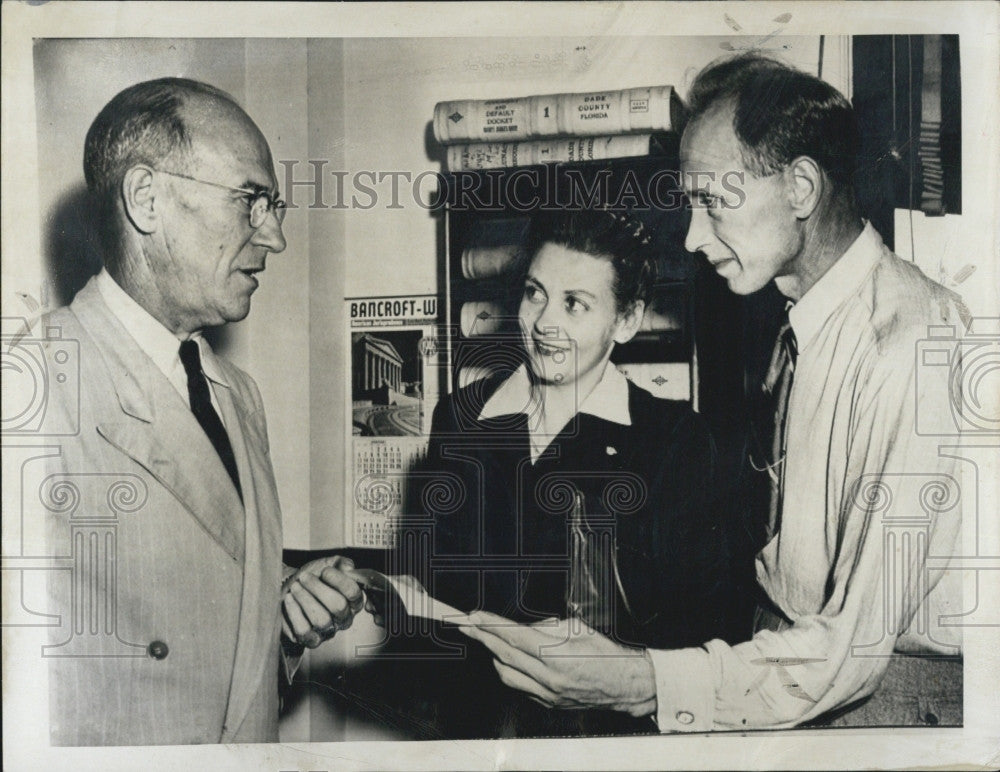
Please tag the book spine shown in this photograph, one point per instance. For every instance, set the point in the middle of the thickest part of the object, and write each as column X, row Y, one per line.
column 504, row 155
column 480, row 317
column 644, row 109
column 667, row 380
column 487, row 262
column 658, row 321
column 482, row 120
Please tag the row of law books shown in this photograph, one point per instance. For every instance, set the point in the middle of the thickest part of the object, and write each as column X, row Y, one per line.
column 505, row 133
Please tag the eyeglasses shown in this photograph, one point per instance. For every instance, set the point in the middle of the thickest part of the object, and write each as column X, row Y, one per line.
column 259, row 201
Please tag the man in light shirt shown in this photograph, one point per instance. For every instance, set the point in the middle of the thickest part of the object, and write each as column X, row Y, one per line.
column 170, row 618
column 853, row 626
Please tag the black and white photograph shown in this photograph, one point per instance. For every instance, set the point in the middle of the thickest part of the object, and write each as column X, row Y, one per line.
column 500, row 385
column 387, row 383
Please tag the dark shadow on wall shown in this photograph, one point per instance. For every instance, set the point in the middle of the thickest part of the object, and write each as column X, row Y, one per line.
column 71, row 245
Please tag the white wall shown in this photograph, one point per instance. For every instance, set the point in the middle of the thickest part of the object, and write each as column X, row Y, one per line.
column 961, row 251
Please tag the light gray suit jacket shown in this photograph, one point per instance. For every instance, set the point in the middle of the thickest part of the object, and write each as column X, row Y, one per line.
column 169, row 615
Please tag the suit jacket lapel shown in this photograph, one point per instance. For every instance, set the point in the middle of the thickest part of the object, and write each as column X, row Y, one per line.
column 259, row 612
column 157, row 429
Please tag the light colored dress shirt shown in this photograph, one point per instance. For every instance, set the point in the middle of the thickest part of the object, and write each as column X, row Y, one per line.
column 867, row 499
column 158, row 343
column 607, row 400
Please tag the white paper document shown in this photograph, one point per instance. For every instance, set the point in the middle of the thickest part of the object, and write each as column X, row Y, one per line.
column 418, row 603
column 412, row 595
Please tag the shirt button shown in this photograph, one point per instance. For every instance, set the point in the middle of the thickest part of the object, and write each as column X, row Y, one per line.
column 684, row 717
column 157, row 650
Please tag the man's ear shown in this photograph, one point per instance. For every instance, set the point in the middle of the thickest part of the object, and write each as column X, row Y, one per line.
column 628, row 324
column 806, row 183
column 139, row 199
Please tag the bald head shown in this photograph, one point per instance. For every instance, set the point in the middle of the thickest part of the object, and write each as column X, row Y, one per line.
column 219, row 128
column 149, row 123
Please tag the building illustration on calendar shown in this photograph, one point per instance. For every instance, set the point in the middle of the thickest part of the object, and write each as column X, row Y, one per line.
column 387, row 383
column 394, row 387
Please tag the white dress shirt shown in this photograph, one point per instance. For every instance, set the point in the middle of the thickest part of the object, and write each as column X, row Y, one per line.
column 866, row 499
column 158, row 343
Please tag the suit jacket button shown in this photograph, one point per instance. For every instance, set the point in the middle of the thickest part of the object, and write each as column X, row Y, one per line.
column 158, row 650
column 685, row 717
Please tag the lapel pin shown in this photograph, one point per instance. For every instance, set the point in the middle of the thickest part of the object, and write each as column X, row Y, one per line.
column 611, row 451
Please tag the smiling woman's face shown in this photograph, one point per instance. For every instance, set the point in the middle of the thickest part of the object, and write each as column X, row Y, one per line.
column 569, row 317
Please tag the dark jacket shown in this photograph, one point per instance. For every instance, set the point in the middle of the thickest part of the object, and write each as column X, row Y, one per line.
column 504, row 547
column 500, row 542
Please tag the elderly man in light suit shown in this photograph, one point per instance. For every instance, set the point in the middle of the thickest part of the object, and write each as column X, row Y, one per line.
column 171, row 619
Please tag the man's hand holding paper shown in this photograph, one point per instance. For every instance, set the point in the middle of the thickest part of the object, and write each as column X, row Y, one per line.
column 404, row 591
column 320, row 599
column 566, row 664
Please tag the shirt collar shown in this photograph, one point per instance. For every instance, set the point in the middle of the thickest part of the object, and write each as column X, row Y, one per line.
column 155, row 340
column 608, row 400
column 209, row 364
column 840, row 282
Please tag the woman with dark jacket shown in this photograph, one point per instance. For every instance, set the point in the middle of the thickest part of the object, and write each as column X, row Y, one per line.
column 579, row 494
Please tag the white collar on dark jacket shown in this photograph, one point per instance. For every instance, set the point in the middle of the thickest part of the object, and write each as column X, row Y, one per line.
column 608, row 400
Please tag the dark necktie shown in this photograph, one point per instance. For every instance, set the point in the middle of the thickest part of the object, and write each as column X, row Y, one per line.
column 201, row 406
column 776, row 388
